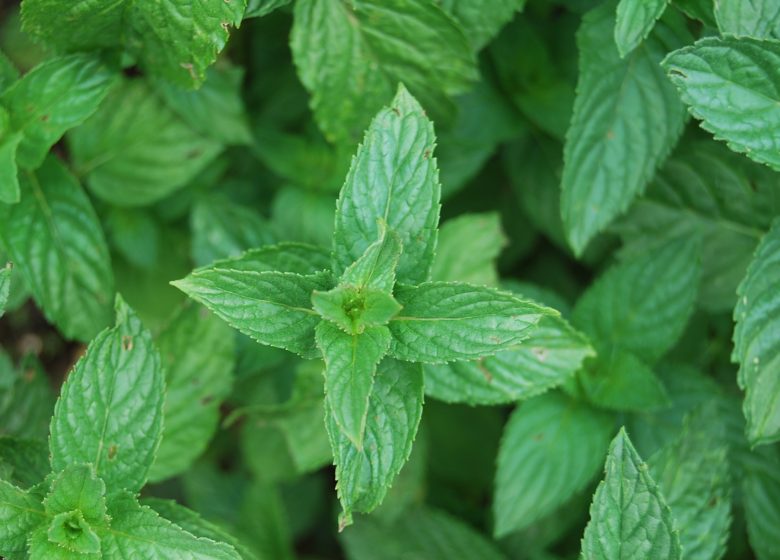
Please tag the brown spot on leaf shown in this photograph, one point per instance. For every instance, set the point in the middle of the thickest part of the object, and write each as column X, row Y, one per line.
column 127, row 343
column 112, row 452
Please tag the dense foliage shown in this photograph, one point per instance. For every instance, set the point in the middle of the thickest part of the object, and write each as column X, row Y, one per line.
column 390, row 279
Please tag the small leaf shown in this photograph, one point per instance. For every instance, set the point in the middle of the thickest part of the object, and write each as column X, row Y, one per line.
column 375, row 268
column 393, row 178
column 629, row 518
column 747, row 73
column 446, row 321
column 77, row 488
column 635, row 21
column 551, row 449
column 110, row 409
column 353, row 310
column 20, row 513
column 350, row 366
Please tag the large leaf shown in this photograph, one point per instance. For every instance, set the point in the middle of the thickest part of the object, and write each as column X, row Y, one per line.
column 395, row 407
column 198, row 354
column 551, row 449
column 54, row 238
column 755, row 18
column 110, row 410
column 629, row 518
column 634, row 21
column 747, row 73
column 135, row 150
column 352, row 54
column 757, row 340
column 643, row 304
column 447, row 321
column 626, row 120
column 393, row 177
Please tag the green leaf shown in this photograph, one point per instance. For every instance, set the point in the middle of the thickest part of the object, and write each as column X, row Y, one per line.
column 467, row 249
column 77, row 488
column 54, row 238
column 394, row 411
column 273, row 308
column 351, row 55
column 447, row 321
column 375, row 268
column 26, row 399
column 552, row 352
column 394, row 178
column 618, row 380
column 627, row 118
column 9, row 144
column 52, row 98
column 198, row 355
column 629, row 518
column 747, row 73
column 551, row 449
column 482, row 19
column 693, row 475
column 643, row 304
column 20, row 513
column 138, row 532
column 215, row 109
column 759, row 19
column 78, row 25
column 110, row 410
column 5, row 286
column 634, row 21
column 761, row 496
column 353, row 310
column 298, row 258
column 420, row 532
column 24, row 462
column 135, row 150
column 260, row 8
column 351, row 362
column 756, row 340
column 68, row 531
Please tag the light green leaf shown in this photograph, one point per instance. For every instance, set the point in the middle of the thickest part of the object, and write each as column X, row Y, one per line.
column 618, row 380
column 552, row 352
column 54, row 238
column 747, row 73
column 643, row 304
column 353, row 310
column 418, row 533
column 759, row 19
column 138, row 532
column 375, row 268
column 551, row 449
column 298, row 258
column 20, row 513
column 110, row 409
column 198, row 355
column 693, row 475
column 627, row 118
column 629, row 518
column 222, row 229
column 77, row 488
column 447, row 321
column 351, row 56
column 634, row 22
column 394, row 178
column 215, row 109
column 135, row 150
column 757, row 340
column 482, row 19
column 52, row 98
column 395, row 407
column 467, row 249
column 5, row 286
column 24, row 462
column 273, row 308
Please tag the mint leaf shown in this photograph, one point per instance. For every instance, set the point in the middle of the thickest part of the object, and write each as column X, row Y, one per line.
column 298, row 258
column 756, row 341
column 5, row 286
column 629, row 517
column 110, row 409
column 634, row 22
column 138, row 532
column 24, row 462
column 273, row 308
column 353, row 310
column 77, row 488
column 482, row 19
column 564, row 437
column 375, row 268
column 759, row 18
column 395, row 406
column 54, row 238
column 351, row 362
column 135, row 151
column 393, row 177
column 52, row 98
column 627, row 118
column 371, row 46
column 643, row 304
column 198, row 356
column 745, row 71
column 20, row 513
column 447, row 321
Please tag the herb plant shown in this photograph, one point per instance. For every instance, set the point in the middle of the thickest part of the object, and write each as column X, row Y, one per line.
column 390, row 279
